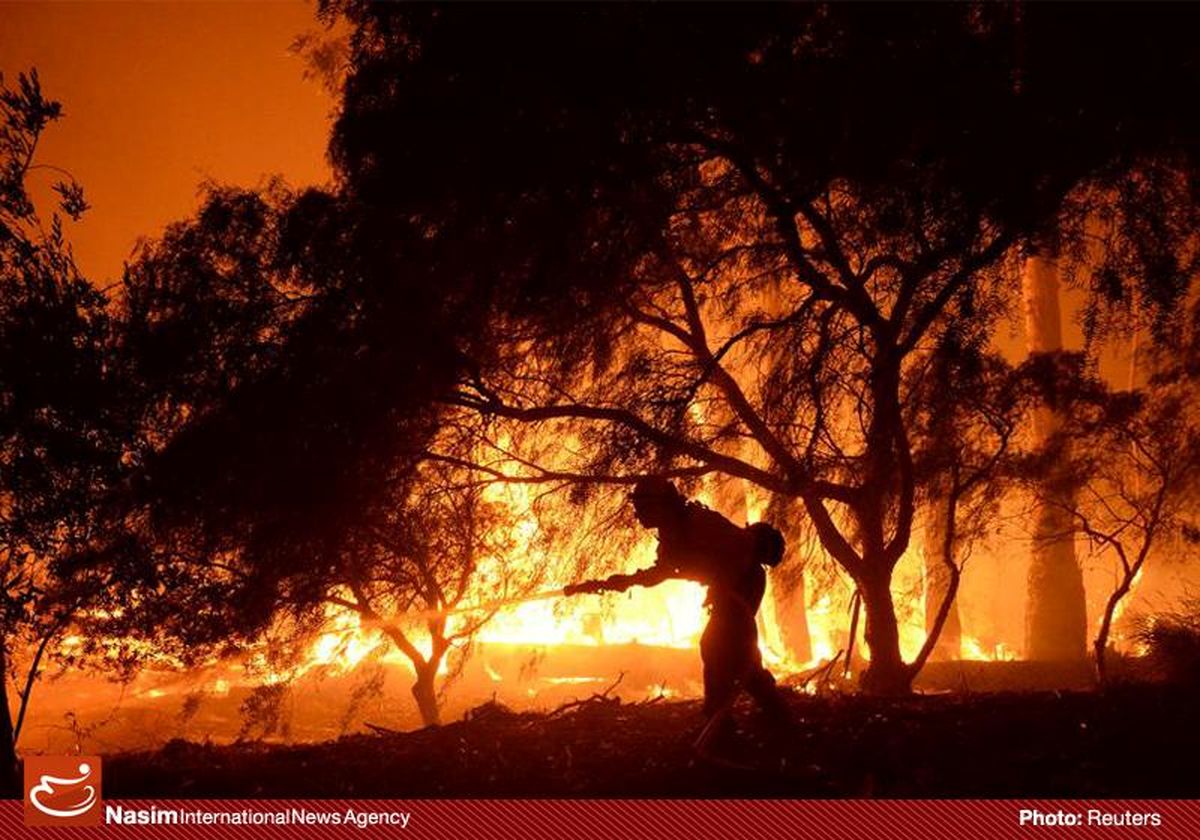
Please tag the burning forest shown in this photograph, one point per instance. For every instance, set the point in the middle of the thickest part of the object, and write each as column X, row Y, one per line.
column 747, row 398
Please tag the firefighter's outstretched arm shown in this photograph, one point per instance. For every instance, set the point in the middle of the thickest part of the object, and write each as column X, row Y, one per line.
column 619, row 583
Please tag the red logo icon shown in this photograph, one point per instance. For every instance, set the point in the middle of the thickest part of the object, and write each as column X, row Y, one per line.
column 63, row 790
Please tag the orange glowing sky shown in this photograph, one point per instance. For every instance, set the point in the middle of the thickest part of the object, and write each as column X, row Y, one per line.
column 159, row 97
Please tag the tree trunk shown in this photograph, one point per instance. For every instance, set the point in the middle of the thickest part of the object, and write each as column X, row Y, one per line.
column 1056, row 612
column 887, row 673
column 937, row 583
column 1056, row 608
column 788, row 592
column 9, row 784
column 425, row 693
column 791, row 611
column 886, row 495
column 1100, row 645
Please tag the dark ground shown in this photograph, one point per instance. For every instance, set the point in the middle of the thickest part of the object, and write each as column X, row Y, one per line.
column 1130, row 741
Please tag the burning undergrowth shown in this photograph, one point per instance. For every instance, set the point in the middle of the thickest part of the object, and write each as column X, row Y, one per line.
column 228, row 705
column 1132, row 741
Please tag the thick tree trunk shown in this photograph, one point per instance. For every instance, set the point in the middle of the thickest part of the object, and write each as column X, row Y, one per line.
column 887, row 673
column 885, row 496
column 937, row 583
column 425, row 693
column 1056, row 612
column 9, row 784
column 1056, row 609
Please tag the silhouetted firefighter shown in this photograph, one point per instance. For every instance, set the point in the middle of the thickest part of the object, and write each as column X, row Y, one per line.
column 696, row 543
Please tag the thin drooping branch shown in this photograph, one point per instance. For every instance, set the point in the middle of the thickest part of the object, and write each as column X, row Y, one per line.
column 545, row 476
column 698, row 343
column 670, row 443
column 929, row 313
column 783, row 212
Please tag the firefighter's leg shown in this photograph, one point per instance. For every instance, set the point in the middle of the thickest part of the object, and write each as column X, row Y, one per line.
column 760, row 684
column 720, row 687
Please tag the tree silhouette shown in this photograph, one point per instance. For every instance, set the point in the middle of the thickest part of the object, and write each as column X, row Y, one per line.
column 1132, row 472
column 727, row 249
column 62, row 434
column 287, row 423
column 967, row 411
column 436, row 545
